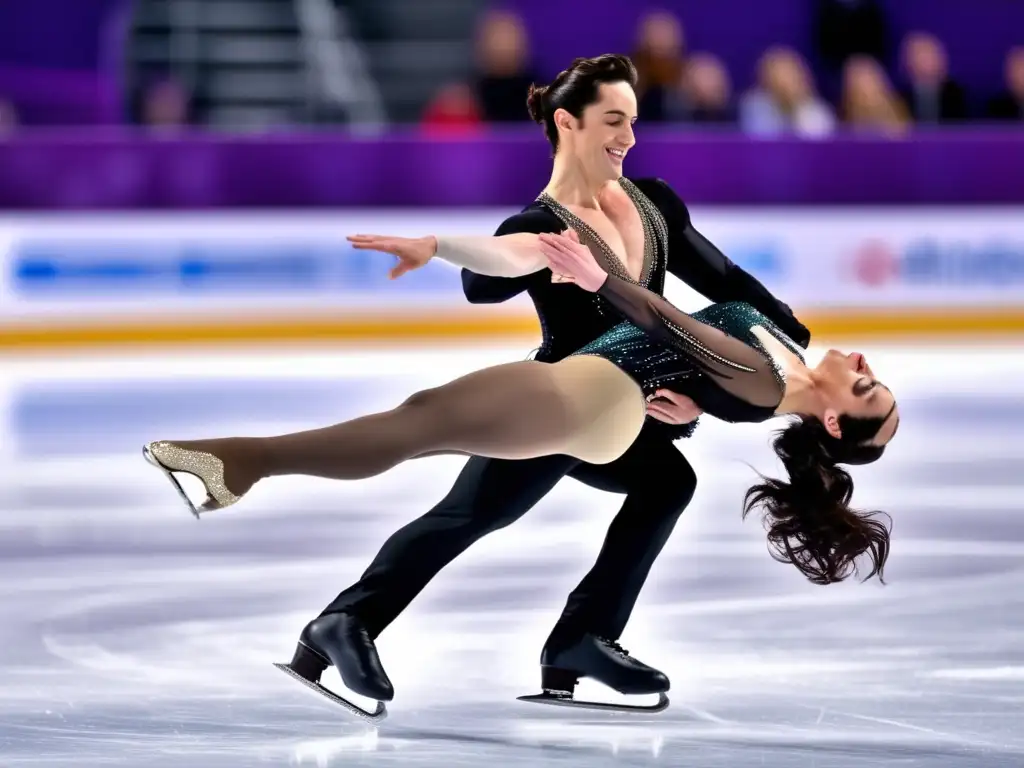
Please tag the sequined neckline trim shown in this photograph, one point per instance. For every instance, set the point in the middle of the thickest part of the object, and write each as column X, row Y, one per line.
column 655, row 233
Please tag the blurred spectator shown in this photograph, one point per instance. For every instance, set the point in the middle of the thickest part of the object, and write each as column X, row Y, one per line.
column 705, row 91
column 659, row 58
column 453, row 111
column 932, row 96
column 785, row 99
column 8, row 118
column 1010, row 104
column 164, row 105
column 505, row 76
column 869, row 101
column 845, row 28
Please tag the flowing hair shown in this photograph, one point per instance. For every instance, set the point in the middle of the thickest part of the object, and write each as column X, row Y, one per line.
column 809, row 519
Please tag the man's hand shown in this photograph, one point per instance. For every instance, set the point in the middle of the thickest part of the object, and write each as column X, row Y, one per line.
column 672, row 408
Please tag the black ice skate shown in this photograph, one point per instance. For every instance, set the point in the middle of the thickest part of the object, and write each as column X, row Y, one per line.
column 607, row 663
column 341, row 640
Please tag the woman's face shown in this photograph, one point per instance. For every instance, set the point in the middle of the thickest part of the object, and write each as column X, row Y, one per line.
column 601, row 138
column 849, row 386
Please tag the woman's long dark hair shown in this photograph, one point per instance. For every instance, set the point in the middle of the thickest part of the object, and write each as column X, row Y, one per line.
column 809, row 520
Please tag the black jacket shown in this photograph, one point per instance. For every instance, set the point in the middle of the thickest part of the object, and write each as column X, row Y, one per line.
column 570, row 317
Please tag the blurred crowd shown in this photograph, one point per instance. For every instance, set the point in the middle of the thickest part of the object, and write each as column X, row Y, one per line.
column 846, row 87
column 849, row 89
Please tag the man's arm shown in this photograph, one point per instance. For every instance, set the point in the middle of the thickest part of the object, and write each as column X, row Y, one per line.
column 484, row 289
column 487, row 289
column 697, row 262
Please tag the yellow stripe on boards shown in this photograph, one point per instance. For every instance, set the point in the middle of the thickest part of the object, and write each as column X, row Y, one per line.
column 148, row 333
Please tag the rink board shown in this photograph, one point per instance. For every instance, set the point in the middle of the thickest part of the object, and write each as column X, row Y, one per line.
column 291, row 276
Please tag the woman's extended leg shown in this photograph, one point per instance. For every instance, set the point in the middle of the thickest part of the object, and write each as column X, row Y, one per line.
column 583, row 407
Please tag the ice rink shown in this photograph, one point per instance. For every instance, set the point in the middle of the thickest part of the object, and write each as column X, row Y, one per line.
column 134, row 635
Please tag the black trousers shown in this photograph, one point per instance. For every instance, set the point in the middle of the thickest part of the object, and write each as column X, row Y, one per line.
column 490, row 494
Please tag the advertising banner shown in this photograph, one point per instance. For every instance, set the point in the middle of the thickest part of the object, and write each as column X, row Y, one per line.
column 123, row 271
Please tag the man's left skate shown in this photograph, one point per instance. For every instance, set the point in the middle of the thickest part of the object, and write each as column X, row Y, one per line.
column 341, row 641
column 307, row 666
column 607, row 663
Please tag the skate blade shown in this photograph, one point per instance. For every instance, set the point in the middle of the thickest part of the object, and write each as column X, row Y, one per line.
column 374, row 717
column 174, row 481
column 567, row 701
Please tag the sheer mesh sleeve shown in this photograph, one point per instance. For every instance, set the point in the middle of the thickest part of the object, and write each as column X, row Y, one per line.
column 738, row 368
column 700, row 264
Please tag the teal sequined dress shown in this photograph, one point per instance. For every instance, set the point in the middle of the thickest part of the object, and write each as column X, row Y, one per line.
column 658, row 353
column 712, row 356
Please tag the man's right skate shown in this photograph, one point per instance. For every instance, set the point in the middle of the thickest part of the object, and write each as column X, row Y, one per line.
column 340, row 640
column 606, row 662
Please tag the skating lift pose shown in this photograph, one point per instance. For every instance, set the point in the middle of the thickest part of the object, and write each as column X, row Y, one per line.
column 733, row 359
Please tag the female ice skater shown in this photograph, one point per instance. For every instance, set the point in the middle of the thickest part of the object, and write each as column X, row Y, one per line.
column 732, row 361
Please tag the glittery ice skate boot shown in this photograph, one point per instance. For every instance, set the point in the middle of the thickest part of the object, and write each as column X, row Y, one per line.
column 220, row 465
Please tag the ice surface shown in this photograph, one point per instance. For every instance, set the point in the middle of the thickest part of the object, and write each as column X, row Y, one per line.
column 134, row 635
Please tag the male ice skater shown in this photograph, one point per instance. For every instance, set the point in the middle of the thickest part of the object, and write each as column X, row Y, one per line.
column 656, row 479
column 587, row 113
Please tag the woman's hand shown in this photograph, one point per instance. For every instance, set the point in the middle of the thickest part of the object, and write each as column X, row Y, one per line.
column 572, row 262
column 412, row 252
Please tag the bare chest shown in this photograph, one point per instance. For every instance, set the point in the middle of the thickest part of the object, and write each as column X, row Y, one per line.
column 620, row 230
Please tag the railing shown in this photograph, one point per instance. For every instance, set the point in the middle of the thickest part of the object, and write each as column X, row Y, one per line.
column 338, row 72
column 185, row 41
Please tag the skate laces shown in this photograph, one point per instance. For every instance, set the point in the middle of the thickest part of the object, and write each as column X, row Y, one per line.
column 615, row 647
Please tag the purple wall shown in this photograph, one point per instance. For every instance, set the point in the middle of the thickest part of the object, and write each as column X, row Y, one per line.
column 978, row 34
column 60, row 60
column 83, row 36
column 66, row 34
column 54, row 34
column 61, row 97
column 563, row 29
column 118, row 171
